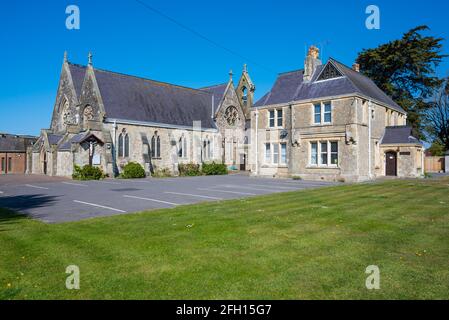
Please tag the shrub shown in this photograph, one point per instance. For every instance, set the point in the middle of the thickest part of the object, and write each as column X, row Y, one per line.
column 87, row 173
column 133, row 170
column 189, row 169
column 214, row 169
column 427, row 175
column 162, row 173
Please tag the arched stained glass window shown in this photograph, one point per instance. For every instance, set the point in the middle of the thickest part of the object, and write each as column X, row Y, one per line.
column 120, row 145
column 153, row 147
column 158, row 147
column 126, row 151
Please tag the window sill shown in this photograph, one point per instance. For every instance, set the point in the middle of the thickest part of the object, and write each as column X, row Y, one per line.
column 326, row 124
column 271, row 165
column 311, row 166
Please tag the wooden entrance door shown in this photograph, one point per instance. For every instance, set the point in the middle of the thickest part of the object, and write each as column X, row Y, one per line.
column 391, row 164
column 243, row 162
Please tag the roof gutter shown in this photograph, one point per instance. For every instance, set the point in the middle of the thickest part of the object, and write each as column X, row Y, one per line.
column 349, row 95
column 155, row 124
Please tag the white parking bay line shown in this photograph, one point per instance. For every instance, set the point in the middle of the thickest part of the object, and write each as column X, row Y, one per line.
column 272, row 186
column 110, row 182
column 35, row 187
column 75, row 184
column 225, row 191
column 99, row 206
column 193, row 195
column 153, row 200
column 251, row 188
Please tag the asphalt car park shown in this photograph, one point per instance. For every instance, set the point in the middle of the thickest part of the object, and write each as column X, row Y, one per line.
column 62, row 200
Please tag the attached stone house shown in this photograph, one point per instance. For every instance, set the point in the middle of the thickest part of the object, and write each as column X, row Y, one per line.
column 330, row 122
column 107, row 119
column 326, row 122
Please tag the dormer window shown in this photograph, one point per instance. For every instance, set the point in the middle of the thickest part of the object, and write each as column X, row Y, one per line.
column 329, row 72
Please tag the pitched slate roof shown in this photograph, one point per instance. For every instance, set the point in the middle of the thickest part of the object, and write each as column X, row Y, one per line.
column 290, row 87
column 78, row 73
column 399, row 135
column 131, row 98
column 54, row 139
column 74, row 139
column 12, row 143
column 217, row 91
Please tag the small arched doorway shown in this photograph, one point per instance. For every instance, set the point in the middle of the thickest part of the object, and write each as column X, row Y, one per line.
column 391, row 164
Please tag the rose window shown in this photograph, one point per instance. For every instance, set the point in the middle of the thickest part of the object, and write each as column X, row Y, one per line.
column 232, row 115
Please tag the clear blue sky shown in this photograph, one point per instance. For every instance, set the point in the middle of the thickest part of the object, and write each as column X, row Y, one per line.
column 126, row 37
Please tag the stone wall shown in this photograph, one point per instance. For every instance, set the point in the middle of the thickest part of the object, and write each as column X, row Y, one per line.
column 64, row 163
column 169, row 146
column 409, row 160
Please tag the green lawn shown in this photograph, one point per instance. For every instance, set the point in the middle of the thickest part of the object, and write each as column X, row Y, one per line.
column 299, row 245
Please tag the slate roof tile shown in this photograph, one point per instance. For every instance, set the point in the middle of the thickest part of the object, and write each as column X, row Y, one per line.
column 399, row 135
column 290, row 87
column 132, row 98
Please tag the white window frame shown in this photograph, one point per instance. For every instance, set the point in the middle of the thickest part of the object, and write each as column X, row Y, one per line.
column 323, row 112
column 268, row 153
column 276, row 118
column 272, row 118
column 272, row 157
column 315, row 163
column 283, row 152
column 319, row 162
column 275, row 157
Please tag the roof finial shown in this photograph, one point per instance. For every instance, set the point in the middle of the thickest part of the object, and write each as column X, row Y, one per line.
column 245, row 68
column 90, row 58
column 230, row 75
column 65, row 57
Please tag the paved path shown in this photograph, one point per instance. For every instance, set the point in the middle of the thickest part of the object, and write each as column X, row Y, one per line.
column 55, row 200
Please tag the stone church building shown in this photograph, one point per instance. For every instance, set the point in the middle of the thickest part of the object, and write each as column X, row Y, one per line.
column 108, row 119
column 325, row 121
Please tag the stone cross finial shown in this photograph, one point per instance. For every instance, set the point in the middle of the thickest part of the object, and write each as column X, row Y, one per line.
column 65, row 56
column 245, row 68
column 230, row 74
column 89, row 57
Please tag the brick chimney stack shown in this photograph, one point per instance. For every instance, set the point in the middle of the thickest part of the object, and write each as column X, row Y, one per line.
column 311, row 63
column 356, row 67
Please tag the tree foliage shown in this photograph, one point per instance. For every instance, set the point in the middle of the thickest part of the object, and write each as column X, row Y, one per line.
column 405, row 70
column 437, row 117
